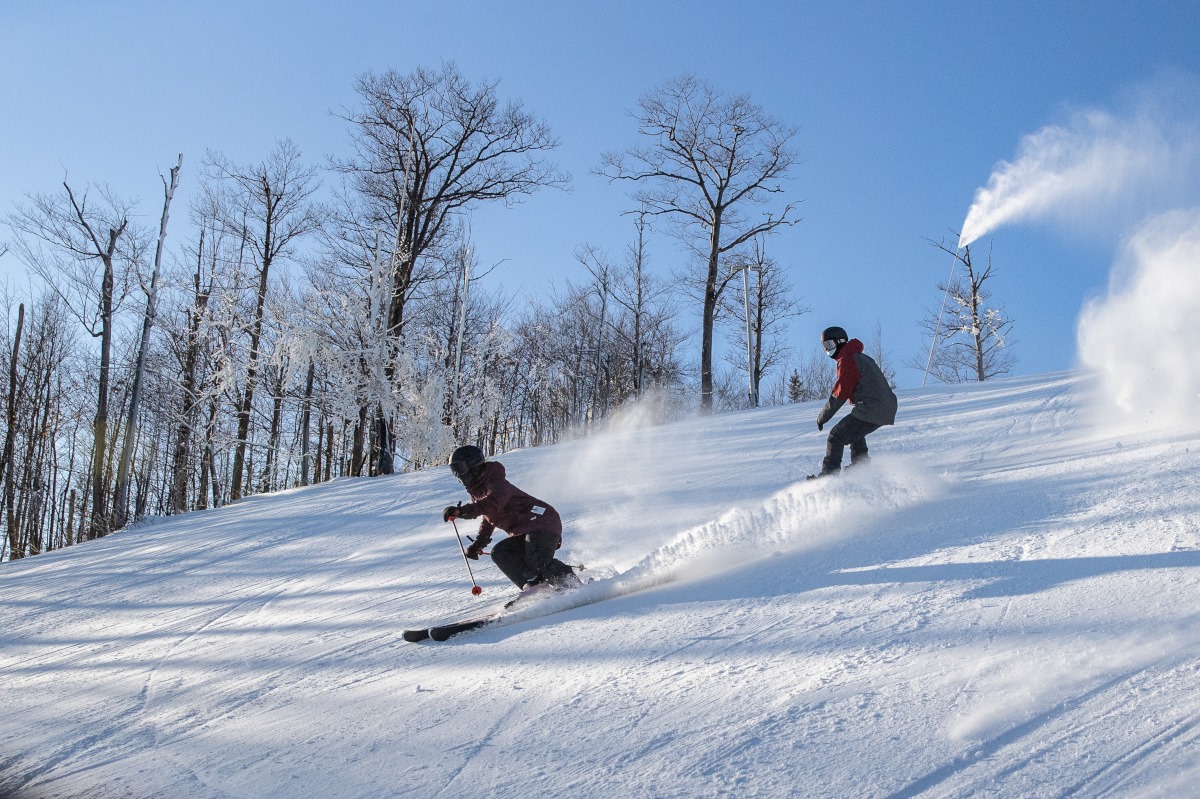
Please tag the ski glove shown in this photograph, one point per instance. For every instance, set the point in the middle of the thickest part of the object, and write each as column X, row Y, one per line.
column 820, row 425
column 451, row 512
column 477, row 546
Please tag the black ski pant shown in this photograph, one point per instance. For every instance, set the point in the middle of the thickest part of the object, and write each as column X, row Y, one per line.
column 529, row 558
column 850, row 432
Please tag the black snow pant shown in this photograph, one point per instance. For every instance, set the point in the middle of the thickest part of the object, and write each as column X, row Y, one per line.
column 851, row 432
column 529, row 558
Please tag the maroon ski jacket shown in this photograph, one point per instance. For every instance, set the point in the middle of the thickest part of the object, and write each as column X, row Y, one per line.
column 502, row 505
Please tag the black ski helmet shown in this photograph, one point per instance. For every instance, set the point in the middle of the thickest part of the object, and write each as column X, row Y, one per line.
column 467, row 463
column 832, row 339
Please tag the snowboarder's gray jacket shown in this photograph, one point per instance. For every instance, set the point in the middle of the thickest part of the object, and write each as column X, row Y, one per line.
column 860, row 380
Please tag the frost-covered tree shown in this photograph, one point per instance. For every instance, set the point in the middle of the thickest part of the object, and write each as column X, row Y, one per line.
column 969, row 336
column 428, row 147
column 269, row 206
column 44, row 485
column 187, row 343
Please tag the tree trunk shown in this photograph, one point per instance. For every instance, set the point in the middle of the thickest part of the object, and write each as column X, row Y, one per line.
column 268, row 479
column 710, row 313
column 329, row 452
column 121, row 497
column 100, row 520
column 385, row 463
column 358, row 455
column 183, row 440
column 305, row 419
column 9, row 441
column 247, row 401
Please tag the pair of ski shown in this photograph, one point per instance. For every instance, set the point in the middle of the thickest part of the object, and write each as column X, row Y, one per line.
column 526, row 601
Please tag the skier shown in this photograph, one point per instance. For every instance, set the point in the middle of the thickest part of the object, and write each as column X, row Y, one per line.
column 534, row 528
column 860, row 380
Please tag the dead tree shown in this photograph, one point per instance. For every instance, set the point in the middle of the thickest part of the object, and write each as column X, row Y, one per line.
column 121, row 493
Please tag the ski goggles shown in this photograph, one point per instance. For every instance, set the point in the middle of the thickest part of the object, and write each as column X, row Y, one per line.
column 830, row 345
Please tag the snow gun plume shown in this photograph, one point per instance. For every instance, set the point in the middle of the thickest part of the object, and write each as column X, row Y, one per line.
column 1098, row 165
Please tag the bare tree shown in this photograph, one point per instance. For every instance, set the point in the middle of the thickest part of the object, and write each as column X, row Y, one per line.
column 269, row 205
column 969, row 337
column 92, row 254
column 429, row 146
column 649, row 312
column 771, row 304
column 710, row 157
column 618, row 323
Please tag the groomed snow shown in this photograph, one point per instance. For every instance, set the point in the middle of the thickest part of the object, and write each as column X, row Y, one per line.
column 1007, row 603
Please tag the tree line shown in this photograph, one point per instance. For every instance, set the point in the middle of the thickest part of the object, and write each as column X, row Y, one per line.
column 314, row 322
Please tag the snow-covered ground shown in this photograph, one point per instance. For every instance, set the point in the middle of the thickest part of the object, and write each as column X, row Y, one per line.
column 1007, row 603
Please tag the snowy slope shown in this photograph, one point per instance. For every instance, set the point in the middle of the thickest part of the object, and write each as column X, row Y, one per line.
column 1006, row 604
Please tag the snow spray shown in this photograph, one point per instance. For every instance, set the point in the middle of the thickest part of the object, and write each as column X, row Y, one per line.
column 1140, row 338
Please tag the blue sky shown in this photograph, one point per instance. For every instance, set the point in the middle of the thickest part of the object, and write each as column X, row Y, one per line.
column 903, row 111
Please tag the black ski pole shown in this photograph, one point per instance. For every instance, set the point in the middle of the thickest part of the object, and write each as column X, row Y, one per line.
column 475, row 588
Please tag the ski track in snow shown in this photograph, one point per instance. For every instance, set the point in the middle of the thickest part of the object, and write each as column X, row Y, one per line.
column 1004, row 604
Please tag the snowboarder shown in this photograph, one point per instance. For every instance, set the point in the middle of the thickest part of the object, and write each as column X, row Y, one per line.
column 861, row 381
column 534, row 528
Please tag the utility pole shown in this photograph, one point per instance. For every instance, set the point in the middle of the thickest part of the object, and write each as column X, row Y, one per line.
column 752, row 384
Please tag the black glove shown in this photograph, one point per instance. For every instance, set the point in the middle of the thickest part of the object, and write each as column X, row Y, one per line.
column 476, row 547
column 820, row 425
column 451, row 512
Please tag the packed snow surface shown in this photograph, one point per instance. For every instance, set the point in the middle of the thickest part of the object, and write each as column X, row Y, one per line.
column 1005, row 603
